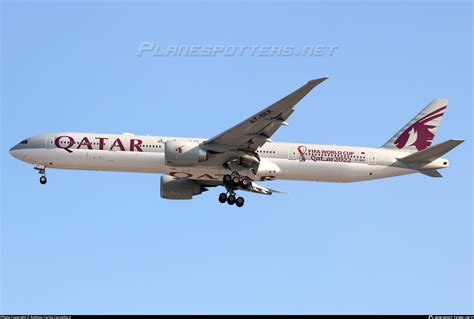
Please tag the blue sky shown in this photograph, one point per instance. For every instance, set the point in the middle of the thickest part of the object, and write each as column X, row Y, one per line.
column 95, row 242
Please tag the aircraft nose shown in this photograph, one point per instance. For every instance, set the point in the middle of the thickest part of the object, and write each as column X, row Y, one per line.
column 13, row 150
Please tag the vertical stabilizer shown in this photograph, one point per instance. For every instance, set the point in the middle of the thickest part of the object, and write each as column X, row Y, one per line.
column 418, row 134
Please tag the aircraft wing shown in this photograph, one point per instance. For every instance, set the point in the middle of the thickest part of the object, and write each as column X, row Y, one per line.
column 255, row 131
column 254, row 188
column 259, row 189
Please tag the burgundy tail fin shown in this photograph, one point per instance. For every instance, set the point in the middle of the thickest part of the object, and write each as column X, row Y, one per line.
column 418, row 134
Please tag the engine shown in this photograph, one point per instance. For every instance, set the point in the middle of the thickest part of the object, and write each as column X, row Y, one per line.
column 178, row 188
column 183, row 153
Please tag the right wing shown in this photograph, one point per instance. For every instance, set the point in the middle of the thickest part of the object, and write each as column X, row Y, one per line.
column 255, row 131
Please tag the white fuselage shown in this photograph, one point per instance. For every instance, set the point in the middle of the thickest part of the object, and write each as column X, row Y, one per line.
column 145, row 154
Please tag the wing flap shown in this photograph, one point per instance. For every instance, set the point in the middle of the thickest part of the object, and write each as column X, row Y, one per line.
column 275, row 124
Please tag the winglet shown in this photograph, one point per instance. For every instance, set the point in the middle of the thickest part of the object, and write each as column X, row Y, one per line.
column 293, row 98
column 317, row 81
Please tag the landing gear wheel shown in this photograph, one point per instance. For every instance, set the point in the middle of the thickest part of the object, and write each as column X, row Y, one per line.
column 236, row 180
column 227, row 179
column 245, row 183
column 231, row 199
column 223, row 198
column 43, row 180
column 239, row 202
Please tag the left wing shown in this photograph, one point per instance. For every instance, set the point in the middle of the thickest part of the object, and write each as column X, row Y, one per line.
column 255, row 131
column 259, row 189
column 254, row 188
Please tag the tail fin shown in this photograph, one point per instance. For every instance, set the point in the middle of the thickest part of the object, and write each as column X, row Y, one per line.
column 418, row 134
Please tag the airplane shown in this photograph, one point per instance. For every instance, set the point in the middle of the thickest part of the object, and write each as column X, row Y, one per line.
column 243, row 155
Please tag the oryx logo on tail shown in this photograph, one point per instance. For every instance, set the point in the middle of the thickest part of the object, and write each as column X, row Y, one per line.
column 419, row 133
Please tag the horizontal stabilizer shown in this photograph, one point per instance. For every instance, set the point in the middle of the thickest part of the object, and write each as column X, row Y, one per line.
column 431, row 173
column 432, row 153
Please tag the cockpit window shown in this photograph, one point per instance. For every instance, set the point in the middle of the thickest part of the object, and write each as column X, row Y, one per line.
column 24, row 142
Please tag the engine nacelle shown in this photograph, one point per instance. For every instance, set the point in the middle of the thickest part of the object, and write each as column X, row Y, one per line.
column 178, row 188
column 183, row 153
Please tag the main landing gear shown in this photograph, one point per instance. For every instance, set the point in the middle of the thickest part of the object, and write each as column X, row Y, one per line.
column 231, row 199
column 236, row 181
column 42, row 170
column 231, row 183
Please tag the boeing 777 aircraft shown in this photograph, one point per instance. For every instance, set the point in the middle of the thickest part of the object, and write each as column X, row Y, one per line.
column 244, row 154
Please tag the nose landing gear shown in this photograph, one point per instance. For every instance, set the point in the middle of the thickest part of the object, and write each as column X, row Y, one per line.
column 42, row 170
column 43, row 180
